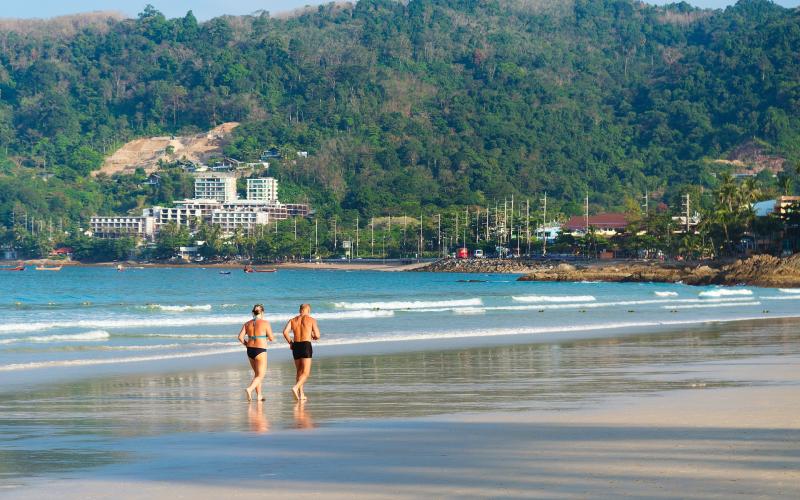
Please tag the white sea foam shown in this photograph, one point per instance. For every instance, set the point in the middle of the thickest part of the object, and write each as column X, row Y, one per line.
column 554, row 298
column 135, row 359
column 92, row 336
column 666, row 294
column 186, row 308
column 725, row 292
column 469, row 310
column 594, row 305
column 417, row 304
column 146, row 322
column 709, row 306
column 397, row 337
column 789, row 290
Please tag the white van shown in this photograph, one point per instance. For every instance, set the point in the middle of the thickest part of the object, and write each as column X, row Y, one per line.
column 478, row 254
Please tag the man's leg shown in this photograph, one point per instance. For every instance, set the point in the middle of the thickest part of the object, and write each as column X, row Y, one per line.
column 298, row 365
column 306, row 372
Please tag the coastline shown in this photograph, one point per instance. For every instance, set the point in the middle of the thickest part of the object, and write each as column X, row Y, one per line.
column 359, row 265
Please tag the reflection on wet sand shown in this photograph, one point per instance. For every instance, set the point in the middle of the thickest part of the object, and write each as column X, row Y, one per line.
column 88, row 418
column 257, row 418
column 302, row 417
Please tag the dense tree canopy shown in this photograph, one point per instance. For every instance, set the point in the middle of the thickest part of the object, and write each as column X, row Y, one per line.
column 401, row 105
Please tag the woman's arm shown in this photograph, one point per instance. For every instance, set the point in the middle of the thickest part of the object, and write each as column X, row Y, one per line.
column 268, row 331
column 241, row 336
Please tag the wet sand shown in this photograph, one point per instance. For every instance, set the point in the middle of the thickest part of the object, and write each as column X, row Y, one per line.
column 703, row 413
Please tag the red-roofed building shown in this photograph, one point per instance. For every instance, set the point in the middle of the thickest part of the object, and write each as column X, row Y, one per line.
column 603, row 223
column 62, row 251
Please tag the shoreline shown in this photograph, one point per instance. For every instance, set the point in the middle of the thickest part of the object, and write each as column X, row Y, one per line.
column 389, row 265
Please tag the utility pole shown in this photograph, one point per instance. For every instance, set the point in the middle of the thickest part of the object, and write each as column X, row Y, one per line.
column 687, row 204
column 487, row 222
column 439, row 232
column 316, row 237
column 456, row 232
column 544, row 224
column 372, row 237
column 356, row 236
column 466, row 224
column 528, row 225
column 419, row 255
column 511, row 222
column 334, row 234
column 586, row 212
column 477, row 226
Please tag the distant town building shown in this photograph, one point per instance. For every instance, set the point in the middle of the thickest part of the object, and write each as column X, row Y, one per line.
column 220, row 186
column 264, row 189
column 550, row 232
column 123, row 227
column 244, row 220
column 605, row 224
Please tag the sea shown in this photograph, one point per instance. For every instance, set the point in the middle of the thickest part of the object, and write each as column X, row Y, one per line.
column 86, row 317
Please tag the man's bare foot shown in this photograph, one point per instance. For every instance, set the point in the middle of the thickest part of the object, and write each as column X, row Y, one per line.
column 296, row 393
column 249, row 395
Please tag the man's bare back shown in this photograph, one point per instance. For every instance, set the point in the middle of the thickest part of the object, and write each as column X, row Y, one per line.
column 304, row 329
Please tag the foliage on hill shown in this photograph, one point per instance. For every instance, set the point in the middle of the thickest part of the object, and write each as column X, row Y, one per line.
column 402, row 105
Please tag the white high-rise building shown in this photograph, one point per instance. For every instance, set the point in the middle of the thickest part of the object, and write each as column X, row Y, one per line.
column 263, row 189
column 220, row 186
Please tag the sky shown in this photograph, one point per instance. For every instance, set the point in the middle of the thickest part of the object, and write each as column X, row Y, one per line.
column 206, row 9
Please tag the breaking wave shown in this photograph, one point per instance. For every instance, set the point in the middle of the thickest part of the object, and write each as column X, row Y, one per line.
column 417, row 304
column 725, row 292
column 554, row 298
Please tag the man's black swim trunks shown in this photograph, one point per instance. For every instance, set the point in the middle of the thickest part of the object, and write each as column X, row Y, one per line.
column 301, row 350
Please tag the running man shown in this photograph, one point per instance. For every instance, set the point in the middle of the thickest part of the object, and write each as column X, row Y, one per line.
column 305, row 329
column 258, row 332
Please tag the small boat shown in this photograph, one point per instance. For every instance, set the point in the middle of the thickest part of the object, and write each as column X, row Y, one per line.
column 224, row 272
column 120, row 267
column 20, row 267
column 249, row 269
column 45, row 268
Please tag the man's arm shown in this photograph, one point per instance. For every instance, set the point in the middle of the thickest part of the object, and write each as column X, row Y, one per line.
column 286, row 332
column 314, row 330
column 241, row 336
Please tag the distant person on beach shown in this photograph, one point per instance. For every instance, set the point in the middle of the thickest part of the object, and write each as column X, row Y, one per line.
column 305, row 329
column 258, row 332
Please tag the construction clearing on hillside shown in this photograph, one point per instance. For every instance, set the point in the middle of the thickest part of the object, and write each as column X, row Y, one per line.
column 146, row 153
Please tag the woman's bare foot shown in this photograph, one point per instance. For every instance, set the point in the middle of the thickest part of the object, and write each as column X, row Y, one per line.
column 249, row 395
column 296, row 393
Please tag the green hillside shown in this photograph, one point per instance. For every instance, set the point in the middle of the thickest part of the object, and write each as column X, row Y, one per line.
column 433, row 103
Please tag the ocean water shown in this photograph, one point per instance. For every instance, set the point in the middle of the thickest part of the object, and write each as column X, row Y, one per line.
column 83, row 317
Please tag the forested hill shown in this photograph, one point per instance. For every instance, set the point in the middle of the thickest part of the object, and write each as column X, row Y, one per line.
column 426, row 102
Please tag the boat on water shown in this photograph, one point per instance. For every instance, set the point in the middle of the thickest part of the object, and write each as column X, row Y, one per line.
column 46, row 268
column 120, row 267
column 20, row 267
column 224, row 272
column 249, row 269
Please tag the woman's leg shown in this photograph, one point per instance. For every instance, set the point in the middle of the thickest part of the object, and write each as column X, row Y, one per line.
column 261, row 364
column 258, row 375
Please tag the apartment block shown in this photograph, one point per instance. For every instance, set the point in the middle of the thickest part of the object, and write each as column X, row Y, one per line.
column 220, row 186
column 123, row 227
column 263, row 189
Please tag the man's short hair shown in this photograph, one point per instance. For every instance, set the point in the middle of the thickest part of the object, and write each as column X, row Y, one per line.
column 305, row 307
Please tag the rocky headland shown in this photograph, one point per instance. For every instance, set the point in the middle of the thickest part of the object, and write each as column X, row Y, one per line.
column 758, row 270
